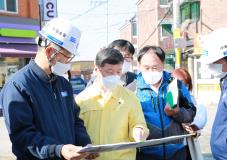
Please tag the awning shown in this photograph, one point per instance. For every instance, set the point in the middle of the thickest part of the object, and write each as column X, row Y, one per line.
column 18, row 50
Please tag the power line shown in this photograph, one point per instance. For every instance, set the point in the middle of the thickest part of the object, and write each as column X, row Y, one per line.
column 152, row 33
column 89, row 10
column 110, row 14
column 102, row 28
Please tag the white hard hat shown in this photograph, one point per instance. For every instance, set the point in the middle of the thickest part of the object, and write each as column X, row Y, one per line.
column 215, row 46
column 62, row 33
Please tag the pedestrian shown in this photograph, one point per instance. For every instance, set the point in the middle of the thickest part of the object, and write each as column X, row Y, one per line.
column 162, row 120
column 38, row 105
column 215, row 56
column 200, row 119
column 127, row 50
column 111, row 113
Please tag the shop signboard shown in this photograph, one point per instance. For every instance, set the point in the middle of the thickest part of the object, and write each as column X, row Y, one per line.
column 49, row 9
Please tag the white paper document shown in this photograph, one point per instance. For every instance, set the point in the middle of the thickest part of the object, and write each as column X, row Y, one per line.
column 128, row 145
column 172, row 94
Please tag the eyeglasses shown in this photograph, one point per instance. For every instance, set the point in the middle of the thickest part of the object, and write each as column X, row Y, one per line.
column 68, row 57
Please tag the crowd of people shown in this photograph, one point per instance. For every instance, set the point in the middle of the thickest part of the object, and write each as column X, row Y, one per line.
column 46, row 121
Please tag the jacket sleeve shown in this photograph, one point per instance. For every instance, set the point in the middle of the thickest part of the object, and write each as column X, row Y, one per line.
column 187, row 108
column 82, row 137
column 136, row 116
column 19, row 122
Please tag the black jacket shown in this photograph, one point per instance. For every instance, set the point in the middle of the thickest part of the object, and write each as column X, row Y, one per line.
column 41, row 114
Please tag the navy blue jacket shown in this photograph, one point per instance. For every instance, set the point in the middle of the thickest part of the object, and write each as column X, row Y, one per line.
column 41, row 114
column 159, row 124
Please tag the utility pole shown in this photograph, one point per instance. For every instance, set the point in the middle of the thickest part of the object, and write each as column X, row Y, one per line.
column 40, row 14
column 176, row 31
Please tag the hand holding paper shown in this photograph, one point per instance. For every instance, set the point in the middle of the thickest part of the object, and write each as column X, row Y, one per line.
column 70, row 151
column 139, row 134
column 172, row 94
column 91, row 155
column 171, row 111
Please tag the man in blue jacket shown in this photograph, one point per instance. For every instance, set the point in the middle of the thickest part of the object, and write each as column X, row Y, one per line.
column 162, row 120
column 38, row 105
column 215, row 56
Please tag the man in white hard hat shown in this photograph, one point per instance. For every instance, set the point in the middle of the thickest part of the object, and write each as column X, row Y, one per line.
column 215, row 56
column 38, row 105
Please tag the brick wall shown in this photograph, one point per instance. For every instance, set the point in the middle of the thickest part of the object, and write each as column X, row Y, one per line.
column 212, row 16
column 126, row 32
column 146, row 22
column 26, row 9
column 29, row 9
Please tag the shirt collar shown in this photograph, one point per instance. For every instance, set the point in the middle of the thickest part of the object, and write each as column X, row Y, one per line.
column 156, row 89
column 41, row 73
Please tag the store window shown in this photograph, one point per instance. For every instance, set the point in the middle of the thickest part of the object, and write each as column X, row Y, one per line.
column 165, row 2
column 166, row 30
column 9, row 66
column 9, row 6
column 2, row 4
column 190, row 10
column 134, row 29
column 169, row 62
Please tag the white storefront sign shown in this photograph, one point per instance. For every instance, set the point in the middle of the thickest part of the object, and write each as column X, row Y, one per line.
column 49, row 9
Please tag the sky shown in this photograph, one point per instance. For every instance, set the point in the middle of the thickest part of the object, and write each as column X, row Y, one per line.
column 90, row 16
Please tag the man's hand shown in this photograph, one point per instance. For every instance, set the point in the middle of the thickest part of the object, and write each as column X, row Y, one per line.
column 91, row 155
column 190, row 128
column 171, row 112
column 139, row 134
column 70, row 152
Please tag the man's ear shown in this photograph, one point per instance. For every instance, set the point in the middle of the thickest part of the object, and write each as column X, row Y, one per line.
column 49, row 52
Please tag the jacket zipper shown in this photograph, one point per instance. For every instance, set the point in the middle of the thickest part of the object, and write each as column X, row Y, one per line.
column 162, row 124
column 55, row 97
column 152, row 101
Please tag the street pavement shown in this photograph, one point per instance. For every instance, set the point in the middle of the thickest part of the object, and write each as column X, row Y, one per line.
column 5, row 145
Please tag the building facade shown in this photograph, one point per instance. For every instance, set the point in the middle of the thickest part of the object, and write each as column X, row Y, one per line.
column 19, row 26
column 153, row 23
column 198, row 18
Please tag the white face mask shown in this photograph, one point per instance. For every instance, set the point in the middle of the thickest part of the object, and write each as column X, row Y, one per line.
column 60, row 68
column 111, row 82
column 152, row 77
column 216, row 70
column 126, row 67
